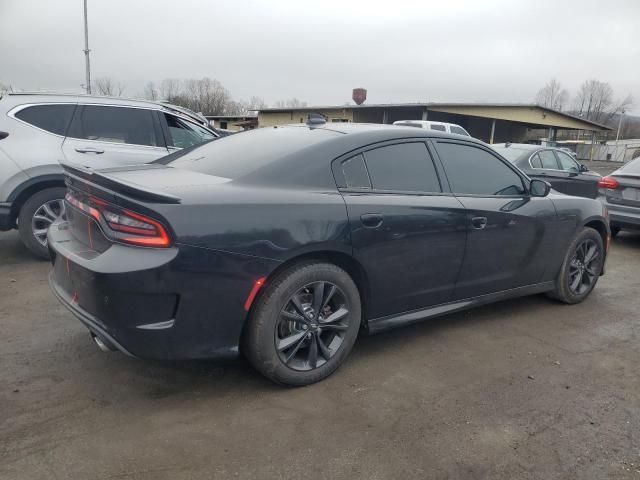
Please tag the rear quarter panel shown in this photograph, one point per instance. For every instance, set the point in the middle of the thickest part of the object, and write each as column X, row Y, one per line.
column 573, row 213
column 272, row 223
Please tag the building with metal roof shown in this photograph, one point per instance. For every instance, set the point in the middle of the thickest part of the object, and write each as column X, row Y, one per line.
column 490, row 122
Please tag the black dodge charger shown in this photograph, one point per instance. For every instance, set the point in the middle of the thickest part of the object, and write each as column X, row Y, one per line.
column 284, row 243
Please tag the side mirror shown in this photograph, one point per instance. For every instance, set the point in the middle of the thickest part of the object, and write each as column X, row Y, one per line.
column 539, row 188
column 583, row 168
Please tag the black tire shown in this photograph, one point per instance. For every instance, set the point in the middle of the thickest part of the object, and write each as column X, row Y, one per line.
column 266, row 321
column 615, row 231
column 27, row 212
column 578, row 269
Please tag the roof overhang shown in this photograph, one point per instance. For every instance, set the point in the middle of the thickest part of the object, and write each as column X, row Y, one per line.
column 530, row 114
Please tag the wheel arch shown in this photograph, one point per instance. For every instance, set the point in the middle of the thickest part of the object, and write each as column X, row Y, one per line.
column 343, row 260
column 599, row 226
column 32, row 186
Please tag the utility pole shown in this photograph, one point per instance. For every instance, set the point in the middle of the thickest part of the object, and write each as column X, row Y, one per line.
column 619, row 125
column 86, row 49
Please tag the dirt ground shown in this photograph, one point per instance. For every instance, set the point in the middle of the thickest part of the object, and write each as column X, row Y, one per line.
column 522, row 389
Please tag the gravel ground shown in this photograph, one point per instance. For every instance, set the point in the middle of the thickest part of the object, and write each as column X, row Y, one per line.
column 522, row 389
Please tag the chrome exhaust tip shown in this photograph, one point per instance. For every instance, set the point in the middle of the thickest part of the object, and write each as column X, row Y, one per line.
column 101, row 344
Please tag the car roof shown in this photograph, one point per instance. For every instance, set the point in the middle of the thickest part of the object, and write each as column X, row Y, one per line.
column 21, row 98
column 519, row 146
column 384, row 131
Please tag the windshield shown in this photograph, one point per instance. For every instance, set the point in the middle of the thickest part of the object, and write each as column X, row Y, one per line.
column 234, row 156
column 513, row 154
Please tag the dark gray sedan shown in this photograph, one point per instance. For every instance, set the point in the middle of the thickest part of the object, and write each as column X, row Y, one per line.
column 553, row 165
column 620, row 192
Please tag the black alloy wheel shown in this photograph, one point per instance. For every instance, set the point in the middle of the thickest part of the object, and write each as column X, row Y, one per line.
column 581, row 268
column 302, row 327
column 584, row 267
column 312, row 326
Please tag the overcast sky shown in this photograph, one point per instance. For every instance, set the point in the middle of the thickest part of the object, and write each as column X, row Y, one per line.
column 318, row 50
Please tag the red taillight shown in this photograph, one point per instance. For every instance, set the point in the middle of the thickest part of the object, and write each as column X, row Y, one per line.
column 123, row 225
column 608, row 182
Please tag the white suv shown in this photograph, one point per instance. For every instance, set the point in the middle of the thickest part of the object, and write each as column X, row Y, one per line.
column 38, row 131
column 439, row 126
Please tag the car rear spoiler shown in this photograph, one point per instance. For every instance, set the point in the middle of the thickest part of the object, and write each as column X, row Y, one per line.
column 77, row 174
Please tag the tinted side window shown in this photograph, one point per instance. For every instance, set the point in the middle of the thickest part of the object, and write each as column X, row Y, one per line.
column 115, row 124
column 440, row 128
column 567, row 163
column 535, row 161
column 472, row 170
column 458, row 130
column 355, row 173
column 548, row 159
column 52, row 118
column 186, row 134
column 405, row 166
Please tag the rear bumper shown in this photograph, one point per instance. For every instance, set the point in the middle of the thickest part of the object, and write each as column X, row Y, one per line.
column 88, row 320
column 623, row 216
column 6, row 222
column 166, row 304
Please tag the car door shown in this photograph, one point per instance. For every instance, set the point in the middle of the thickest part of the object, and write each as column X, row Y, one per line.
column 406, row 232
column 509, row 232
column 181, row 133
column 577, row 182
column 111, row 135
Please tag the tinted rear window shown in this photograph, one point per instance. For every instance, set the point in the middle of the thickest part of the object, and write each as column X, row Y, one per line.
column 52, row 118
column 632, row 167
column 440, row 128
column 404, row 167
column 237, row 155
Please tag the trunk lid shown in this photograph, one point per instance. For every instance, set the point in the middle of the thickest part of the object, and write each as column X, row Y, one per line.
column 628, row 193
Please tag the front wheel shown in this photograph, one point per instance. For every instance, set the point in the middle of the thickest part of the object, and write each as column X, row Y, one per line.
column 581, row 268
column 304, row 324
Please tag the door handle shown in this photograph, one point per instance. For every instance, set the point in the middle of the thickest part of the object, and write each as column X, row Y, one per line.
column 97, row 151
column 372, row 220
column 479, row 222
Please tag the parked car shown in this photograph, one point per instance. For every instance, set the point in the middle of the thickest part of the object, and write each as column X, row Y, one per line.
column 283, row 243
column 620, row 192
column 569, row 151
column 555, row 166
column 437, row 126
column 37, row 131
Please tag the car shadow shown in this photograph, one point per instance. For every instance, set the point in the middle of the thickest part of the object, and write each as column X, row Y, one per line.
column 158, row 380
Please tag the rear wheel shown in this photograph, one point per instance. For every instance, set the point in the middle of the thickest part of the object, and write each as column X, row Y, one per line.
column 581, row 268
column 304, row 325
column 36, row 215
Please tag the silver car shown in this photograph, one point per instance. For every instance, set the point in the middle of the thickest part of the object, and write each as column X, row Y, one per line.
column 620, row 192
column 38, row 131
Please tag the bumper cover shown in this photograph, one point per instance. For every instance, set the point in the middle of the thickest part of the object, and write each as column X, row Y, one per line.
column 165, row 304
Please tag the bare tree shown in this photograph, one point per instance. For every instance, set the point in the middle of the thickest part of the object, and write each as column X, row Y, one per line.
column 595, row 101
column 169, row 89
column 106, row 86
column 290, row 103
column 256, row 103
column 151, row 92
column 552, row 95
column 243, row 107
